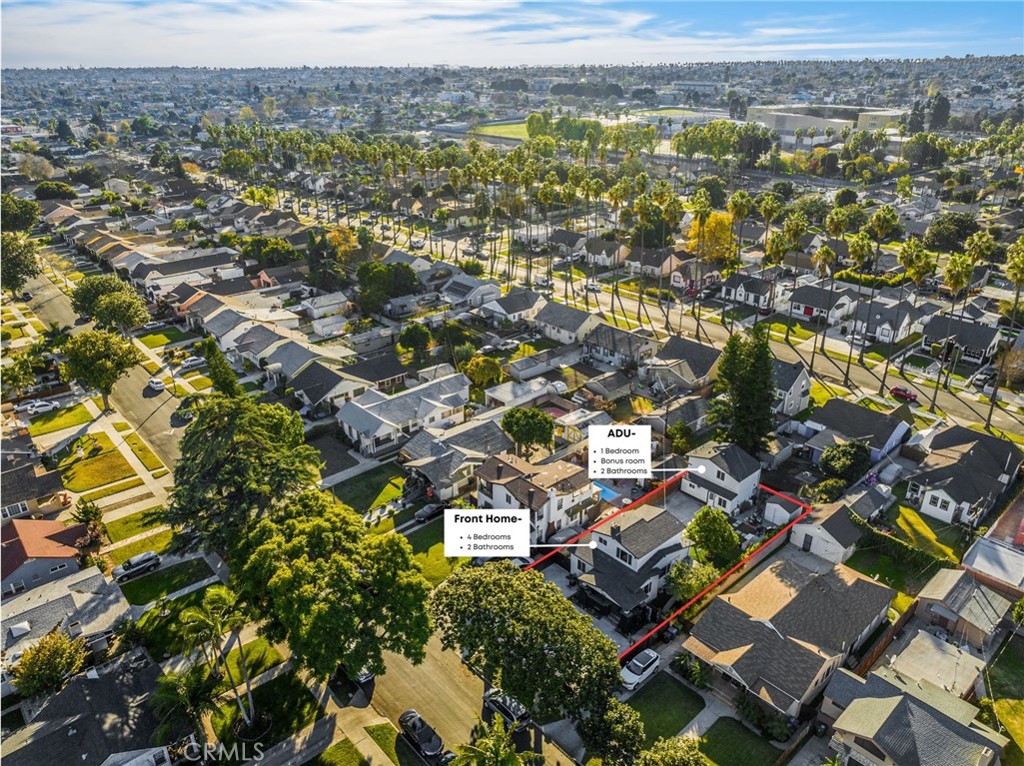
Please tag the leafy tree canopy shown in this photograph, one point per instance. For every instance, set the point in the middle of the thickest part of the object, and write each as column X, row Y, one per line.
column 47, row 666
column 714, row 536
column 528, row 427
column 98, row 359
column 19, row 263
column 17, row 214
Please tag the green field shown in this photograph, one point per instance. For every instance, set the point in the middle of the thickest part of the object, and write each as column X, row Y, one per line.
column 509, row 130
column 133, row 524
column 101, row 463
column 666, row 705
column 428, row 545
column 162, row 337
column 58, row 420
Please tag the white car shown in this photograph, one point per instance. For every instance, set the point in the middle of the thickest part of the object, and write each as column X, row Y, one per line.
column 593, row 287
column 488, row 349
column 508, row 345
column 155, row 325
column 37, row 408
column 640, row 668
column 416, row 244
column 190, row 363
column 156, row 384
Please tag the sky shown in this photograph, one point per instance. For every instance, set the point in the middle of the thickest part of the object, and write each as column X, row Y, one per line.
column 252, row 33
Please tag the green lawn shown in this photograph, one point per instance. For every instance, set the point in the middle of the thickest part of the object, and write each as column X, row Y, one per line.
column 133, row 524
column 342, row 753
column 822, row 392
column 371, row 489
column 288, row 702
column 166, row 581
column 151, row 367
column 729, row 743
column 158, row 542
column 1007, row 677
column 510, row 130
column 942, row 540
column 162, row 337
column 666, row 706
column 797, row 330
column 120, row 426
column 165, row 635
column 900, row 575
column 200, row 382
column 397, row 749
column 58, row 420
column 113, row 489
column 428, row 545
column 143, row 452
column 260, row 657
column 100, row 464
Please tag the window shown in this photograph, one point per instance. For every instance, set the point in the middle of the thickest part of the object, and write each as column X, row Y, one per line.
column 720, row 502
column 624, row 556
column 58, row 568
column 933, row 500
column 720, row 475
column 602, row 540
column 16, row 509
column 944, row 505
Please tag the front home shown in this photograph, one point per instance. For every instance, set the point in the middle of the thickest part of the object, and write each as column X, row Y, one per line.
column 975, row 343
column 464, row 290
column 783, row 634
column 887, row 320
column 378, row 424
column 445, row 458
column 965, row 474
column 37, row 551
column 605, row 253
column 818, row 303
column 564, row 324
column 565, row 241
column 28, row 488
column 558, row 494
column 681, row 364
column 840, row 421
column 520, row 304
column 721, row 475
column 617, row 347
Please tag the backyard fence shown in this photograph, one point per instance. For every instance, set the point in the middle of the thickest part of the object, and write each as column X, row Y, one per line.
column 883, row 641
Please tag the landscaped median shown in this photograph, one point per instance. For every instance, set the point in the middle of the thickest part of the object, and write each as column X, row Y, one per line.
column 143, row 452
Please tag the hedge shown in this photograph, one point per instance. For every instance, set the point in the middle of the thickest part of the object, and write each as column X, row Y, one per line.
column 898, row 549
column 867, row 280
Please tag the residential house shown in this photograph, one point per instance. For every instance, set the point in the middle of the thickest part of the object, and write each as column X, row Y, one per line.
column 964, row 475
column 255, row 344
column 447, row 458
column 784, row 633
column 520, row 304
column 840, row 421
column 226, row 326
column 610, row 386
column 828, row 532
column 544, row 361
column 84, row 604
column 565, row 241
column 887, row 320
column 967, row 610
column 287, row 359
column 572, row 427
column 630, row 558
column 384, row 372
column 749, row 290
column 289, row 276
column 822, row 304
column 320, row 387
column 693, row 274
column 28, row 489
column 37, row 551
column 948, row 666
column 326, row 304
column 616, row 347
column 464, row 290
column 792, row 388
column 379, row 424
column 888, row 719
column 974, row 343
column 605, row 253
column 997, row 564
column 181, row 297
column 564, row 324
column 514, row 393
column 690, row 410
column 681, row 364
column 721, row 475
column 194, row 267
column 558, row 494
column 652, row 262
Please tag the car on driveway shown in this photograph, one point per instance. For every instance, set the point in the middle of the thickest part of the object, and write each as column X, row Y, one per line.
column 26, row 296
column 508, row 345
column 899, row 392
column 154, row 325
column 136, row 566
column 487, row 349
column 428, row 512
column 640, row 668
column 514, row 713
column 592, row 287
column 420, row 735
column 190, row 363
column 155, row 384
column 39, row 407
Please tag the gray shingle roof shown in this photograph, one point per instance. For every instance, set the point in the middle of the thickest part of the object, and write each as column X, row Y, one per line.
column 732, row 459
column 699, row 357
column 856, row 422
column 644, row 529
column 965, row 597
column 561, row 316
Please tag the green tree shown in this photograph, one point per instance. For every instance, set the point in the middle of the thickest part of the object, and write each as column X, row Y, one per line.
column 237, row 164
column 416, row 338
column 55, row 190
column 520, row 629
column 122, row 310
column 219, row 369
column 1017, row 615
column 1015, row 273
column 681, row 436
column 19, row 263
column 714, row 536
column 847, row 461
column 484, row 371
column 492, row 748
column 687, row 579
column 49, row 664
column 746, row 374
column 98, row 359
column 181, row 701
column 18, row 373
column 313, row 569
column 829, row 490
column 269, row 251
column 238, row 457
column 677, row 751
column 528, row 428
column 88, row 292
column 615, row 734
column 18, row 214
column 956, row 276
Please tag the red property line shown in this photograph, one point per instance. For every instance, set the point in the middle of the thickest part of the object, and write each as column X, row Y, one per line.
column 640, row 501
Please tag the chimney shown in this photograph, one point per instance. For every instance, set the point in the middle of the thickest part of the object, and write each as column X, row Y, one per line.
column 500, row 469
column 617, row 531
column 529, row 497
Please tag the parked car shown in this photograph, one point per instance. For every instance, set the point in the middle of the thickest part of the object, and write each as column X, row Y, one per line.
column 190, row 363
column 856, row 339
column 423, row 738
column 542, row 281
column 39, row 407
column 154, row 325
column 156, row 384
column 640, row 668
column 417, row 244
column 487, row 349
column 514, row 713
column 593, row 287
column 508, row 345
column 26, row 296
column 136, row 566
column 428, row 512
column 899, row 392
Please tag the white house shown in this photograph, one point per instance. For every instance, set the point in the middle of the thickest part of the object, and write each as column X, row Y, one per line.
column 721, row 475
column 828, row 533
column 822, row 303
column 617, row 347
column 564, row 324
column 792, row 388
column 327, row 304
column 518, row 305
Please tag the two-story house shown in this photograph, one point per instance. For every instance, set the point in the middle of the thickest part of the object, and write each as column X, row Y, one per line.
column 792, row 388
column 36, row 552
column 618, row 347
column 721, row 475
column 558, row 494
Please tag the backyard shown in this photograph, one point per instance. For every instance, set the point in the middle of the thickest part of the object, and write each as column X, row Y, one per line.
column 666, row 705
column 428, row 545
column 101, row 463
column 1008, row 692
column 897, row 574
column 729, row 743
column 947, row 541
column 166, row 581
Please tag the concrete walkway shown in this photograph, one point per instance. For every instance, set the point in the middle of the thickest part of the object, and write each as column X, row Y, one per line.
column 365, row 465
column 352, row 720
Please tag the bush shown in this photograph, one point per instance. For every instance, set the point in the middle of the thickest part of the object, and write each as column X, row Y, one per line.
column 776, row 728
column 847, row 461
column 662, row 295
column 868, row 280
column 829, row 490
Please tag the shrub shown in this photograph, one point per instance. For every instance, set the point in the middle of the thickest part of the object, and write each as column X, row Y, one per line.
column 869, row 280
column 829, row 490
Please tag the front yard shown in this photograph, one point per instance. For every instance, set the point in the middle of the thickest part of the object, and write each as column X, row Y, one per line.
column 58, row 420
column 260, row 657
column 666, row 705
column 133, row 524
column 158, row 542
column 428, row 545
column 143, row 452
column 342, row 753
column 165, row 635
column 164, row 336
column 397, row 749
column 371, row 489
column 101, row 463
column 165, row 581
column 729, row 743
column 1007, row 679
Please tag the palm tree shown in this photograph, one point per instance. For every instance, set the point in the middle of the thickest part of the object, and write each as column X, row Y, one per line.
column 493, row 748
column 182, row 700
column 739, row 206
column 701, row 208
column 823, row 259
column 794, row 228
column 769, row 208
column 956, row 276
column 911, row 253
column 860, row 252
column 1015, row 273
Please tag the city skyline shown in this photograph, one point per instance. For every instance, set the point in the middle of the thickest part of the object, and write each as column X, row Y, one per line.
column 252, row 33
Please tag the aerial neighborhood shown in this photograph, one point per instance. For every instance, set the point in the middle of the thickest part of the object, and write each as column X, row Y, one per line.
column 264, row 329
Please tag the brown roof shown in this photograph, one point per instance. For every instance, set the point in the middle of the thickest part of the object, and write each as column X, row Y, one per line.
column 26, row 539
column 529, row 483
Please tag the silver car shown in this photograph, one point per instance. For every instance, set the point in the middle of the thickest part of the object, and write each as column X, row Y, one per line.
column 136, row 566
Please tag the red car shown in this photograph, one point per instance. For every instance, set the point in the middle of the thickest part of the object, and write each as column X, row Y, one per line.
column 899, row 392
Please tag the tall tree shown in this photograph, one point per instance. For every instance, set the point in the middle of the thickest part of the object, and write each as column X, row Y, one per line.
column 19, row 263
column 88, row 292
column 823, row 259
column 181, row 702
column 17, row 214
column 528, row 428
column 956, row 276
column 746, row 374
column 49, row 663
column 219, row 369
column 492, row 748
column 677, row 751
column 313, row 569
column 615, row 734
column 238, row 457
column 714, row 536
column 910, row 256
column 1015, row 273
column 416, row 338
column 123, row 310
column 484, row 371
column 98, row 359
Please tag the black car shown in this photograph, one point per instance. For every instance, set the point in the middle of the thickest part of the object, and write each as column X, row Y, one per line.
column 420, row 735
column 26, row 296
column 514, row 713
column 428, row 512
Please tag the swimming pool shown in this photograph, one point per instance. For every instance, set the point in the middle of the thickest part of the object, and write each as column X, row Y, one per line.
column 607, row 493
